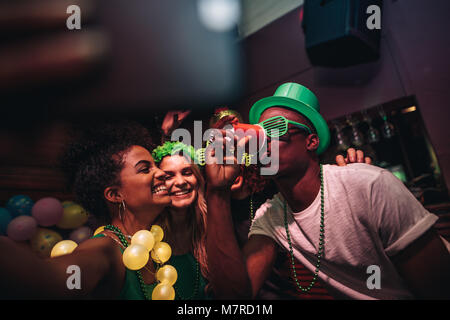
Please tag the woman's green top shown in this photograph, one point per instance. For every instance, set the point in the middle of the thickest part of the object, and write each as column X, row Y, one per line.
column 184, row 287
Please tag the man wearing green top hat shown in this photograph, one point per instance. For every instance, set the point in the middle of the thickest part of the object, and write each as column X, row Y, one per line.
column 356, row 228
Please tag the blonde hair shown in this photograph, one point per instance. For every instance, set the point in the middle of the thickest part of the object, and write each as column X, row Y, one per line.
column 196, row 222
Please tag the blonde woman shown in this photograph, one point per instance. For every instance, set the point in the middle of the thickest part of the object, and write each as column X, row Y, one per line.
column 184, row 221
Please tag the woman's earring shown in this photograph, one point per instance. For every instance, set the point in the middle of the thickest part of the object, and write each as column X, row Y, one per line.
column 121, row 207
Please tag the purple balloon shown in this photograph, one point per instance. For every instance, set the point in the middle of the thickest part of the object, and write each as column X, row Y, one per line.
column 81, row 234
column 47, row 211
column 22, row 228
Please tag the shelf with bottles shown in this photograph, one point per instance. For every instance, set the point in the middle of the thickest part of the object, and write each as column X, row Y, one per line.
column 394, row 136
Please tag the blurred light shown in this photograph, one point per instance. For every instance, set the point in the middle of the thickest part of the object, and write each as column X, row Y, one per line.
column 301, row 15
column 410, row 109
column 219, row 15
column 399, row 172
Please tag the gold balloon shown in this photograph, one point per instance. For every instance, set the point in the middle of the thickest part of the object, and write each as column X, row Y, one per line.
column 67, row 203
column 163, row 292
column 145, row 238
column 63, row 247
column 167, row 275
column 158, row 233
column 98, row 230
column 135, row 257
column 161, row 252
column 43, row 241
column 74, row 216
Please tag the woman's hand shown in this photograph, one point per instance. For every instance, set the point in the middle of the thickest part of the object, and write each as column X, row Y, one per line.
column 172, row 120
column 25, row 275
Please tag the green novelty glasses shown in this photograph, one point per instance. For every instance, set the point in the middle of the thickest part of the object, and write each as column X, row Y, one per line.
column 277, row 126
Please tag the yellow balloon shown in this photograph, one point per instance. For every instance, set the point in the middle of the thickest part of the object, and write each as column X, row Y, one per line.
column 163, row 292
column 158, row 233
column 74, row 216
column 161, row 252
column 167, row 275
column 67, row 203
column 145, row 238
column 43, row 241
column 135, row 257
column 98, row 230
column 63, row 247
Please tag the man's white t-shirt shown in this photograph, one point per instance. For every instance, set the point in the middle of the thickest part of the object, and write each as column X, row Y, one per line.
column 369, row 216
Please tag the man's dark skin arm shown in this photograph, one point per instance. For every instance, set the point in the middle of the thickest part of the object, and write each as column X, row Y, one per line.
column 425, row 266
column 228, row 273
column 234, row 274
column 260, row 253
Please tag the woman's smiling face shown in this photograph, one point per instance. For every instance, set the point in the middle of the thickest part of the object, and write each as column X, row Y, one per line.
column 142, row 182
column 181, row 182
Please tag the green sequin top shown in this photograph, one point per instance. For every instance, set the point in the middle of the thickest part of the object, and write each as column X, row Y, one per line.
column 184, row 287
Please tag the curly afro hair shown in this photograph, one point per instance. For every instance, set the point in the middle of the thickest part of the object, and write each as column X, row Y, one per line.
column 93, row 162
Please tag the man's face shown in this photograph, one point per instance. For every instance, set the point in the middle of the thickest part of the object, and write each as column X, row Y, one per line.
column 294, row 153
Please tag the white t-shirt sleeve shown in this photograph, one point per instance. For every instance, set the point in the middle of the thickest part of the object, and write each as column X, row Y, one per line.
column 261, row 224
column 396, row 214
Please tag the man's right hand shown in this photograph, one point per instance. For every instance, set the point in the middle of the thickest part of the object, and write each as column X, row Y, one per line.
column 219, row 174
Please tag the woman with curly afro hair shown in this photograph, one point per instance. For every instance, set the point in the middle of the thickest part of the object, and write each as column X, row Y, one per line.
column 114, row 176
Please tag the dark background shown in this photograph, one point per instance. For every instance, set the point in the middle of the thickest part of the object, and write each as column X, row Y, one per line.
column 415, row 51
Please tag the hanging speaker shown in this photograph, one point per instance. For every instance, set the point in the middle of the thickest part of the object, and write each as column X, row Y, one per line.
column 342, row 33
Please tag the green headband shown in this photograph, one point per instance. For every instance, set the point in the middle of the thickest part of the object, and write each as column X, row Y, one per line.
column 170, row 148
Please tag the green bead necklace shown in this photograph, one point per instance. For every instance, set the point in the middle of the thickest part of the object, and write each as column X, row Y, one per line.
column 321, row 239
column 125, row 243
column 196, row 285
column 252, row 214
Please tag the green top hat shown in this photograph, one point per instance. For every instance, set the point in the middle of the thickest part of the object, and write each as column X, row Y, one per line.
column 299, row 98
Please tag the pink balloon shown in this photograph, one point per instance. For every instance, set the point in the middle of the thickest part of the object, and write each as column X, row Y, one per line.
column 47, row 211
column 22, row 228
column 81, row 234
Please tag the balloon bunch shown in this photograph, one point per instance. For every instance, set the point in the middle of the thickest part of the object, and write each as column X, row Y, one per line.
column 23, row 220
column 144, row 244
